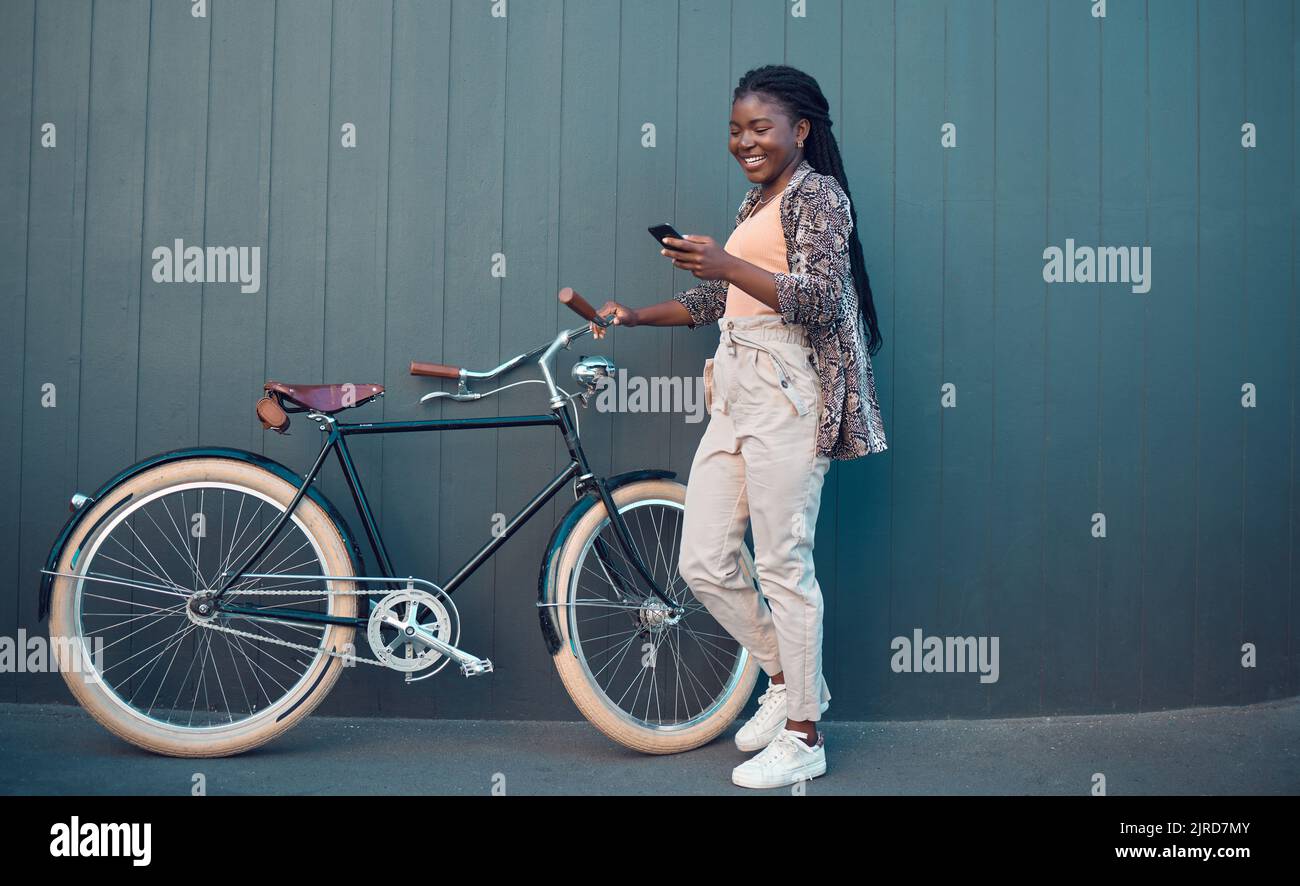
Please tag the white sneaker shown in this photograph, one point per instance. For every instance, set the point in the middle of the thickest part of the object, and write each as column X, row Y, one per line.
column 768, row 720
column 787, row 760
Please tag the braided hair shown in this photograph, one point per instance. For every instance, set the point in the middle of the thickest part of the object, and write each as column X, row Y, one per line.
column 800, row 97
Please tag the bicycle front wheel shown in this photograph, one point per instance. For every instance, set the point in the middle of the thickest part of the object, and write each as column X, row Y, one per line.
column 148, row 666
column 649, row 680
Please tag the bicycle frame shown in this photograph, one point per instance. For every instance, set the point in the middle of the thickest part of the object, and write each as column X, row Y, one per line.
column 336, row 440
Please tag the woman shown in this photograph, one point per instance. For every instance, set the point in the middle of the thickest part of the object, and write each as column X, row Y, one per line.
column 792, row 389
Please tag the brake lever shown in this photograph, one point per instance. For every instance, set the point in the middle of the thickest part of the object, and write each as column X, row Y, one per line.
column 472, row 395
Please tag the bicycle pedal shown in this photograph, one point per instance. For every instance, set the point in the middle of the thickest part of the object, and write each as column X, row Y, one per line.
column 474, row 668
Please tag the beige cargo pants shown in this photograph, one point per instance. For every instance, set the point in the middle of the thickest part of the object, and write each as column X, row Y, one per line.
column 758, row 462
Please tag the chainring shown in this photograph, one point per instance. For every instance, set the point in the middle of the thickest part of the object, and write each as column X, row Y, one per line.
column 398, row 623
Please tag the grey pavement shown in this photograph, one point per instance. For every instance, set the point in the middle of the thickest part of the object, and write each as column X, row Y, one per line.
column 57, row 749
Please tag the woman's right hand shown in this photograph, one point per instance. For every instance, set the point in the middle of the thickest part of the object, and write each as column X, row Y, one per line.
column 623, row 316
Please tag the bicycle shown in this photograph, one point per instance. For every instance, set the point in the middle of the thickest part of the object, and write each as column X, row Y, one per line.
column 195, row 649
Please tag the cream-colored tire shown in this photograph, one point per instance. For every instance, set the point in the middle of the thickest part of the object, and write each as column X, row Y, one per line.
column 651, row 735
column 93, row 544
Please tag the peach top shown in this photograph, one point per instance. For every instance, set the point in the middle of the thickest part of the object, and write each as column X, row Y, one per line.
column 759, row 240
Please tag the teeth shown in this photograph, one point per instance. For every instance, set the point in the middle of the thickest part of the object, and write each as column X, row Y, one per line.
column 754, row 161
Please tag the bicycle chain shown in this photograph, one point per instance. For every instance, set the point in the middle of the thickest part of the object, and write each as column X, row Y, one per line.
column 262, row 638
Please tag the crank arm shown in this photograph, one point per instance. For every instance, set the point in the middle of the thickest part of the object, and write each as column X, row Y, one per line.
column 470, row 665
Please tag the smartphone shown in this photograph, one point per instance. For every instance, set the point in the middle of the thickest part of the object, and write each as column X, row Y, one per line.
column 659, row 232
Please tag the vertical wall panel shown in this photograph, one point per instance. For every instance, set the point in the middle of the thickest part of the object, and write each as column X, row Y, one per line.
column 114, row 208
column 967, row 332
column 356, row 224
column 56, row 227
column 18, row 139
column 471, row 487
column 300, row 140
column 915, row 432
column 410, row 519
column 1069, row 601
column 233, row 364
column 295, row 266
column 1168, row 591
column 171, row 313
column 706, row 194
column 643, row 200
column 590, row 202
column 357, row 216
column 1016, row 537
column 119, row 71
column 863, row 529
column 589, row 198
column 1218, row 350
column 1293, row 601
column 529, row 458
column 1265, row 302
column 643, row 355
column 1120, row 352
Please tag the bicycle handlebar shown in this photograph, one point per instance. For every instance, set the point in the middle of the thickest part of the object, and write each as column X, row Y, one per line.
column 568, row 297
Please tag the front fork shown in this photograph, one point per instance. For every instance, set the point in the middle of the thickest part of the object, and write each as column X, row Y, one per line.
column 606, row 556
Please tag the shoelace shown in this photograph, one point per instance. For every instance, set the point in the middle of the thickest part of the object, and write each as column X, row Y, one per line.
column 772, row 695
column 781, row 747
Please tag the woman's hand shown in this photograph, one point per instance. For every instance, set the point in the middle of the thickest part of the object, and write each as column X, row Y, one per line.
column 623, row 316
column 700, row 255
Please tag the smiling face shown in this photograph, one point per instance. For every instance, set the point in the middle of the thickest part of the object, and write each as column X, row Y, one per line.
column 761, row 132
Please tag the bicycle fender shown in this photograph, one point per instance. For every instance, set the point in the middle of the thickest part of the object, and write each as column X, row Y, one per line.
column 56, row 552
column 559, row 535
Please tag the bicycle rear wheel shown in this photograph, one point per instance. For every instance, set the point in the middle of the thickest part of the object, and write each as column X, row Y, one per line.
column 137, row 657
column 647, row 680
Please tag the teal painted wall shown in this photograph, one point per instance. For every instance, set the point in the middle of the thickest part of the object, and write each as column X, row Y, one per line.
column 523, row 135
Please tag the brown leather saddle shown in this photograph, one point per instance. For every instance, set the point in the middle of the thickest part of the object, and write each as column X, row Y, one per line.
column 328, row 399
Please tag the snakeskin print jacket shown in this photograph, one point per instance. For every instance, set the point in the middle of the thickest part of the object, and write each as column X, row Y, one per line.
column 819, row 292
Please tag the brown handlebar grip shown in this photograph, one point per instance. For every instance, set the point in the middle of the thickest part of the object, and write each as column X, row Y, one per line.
column 577, row 303
column 436, row 370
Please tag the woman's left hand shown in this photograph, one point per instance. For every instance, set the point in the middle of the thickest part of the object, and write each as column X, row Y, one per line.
column 700, row 255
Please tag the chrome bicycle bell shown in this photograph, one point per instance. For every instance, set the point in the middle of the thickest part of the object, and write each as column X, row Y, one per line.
column 589, row 370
